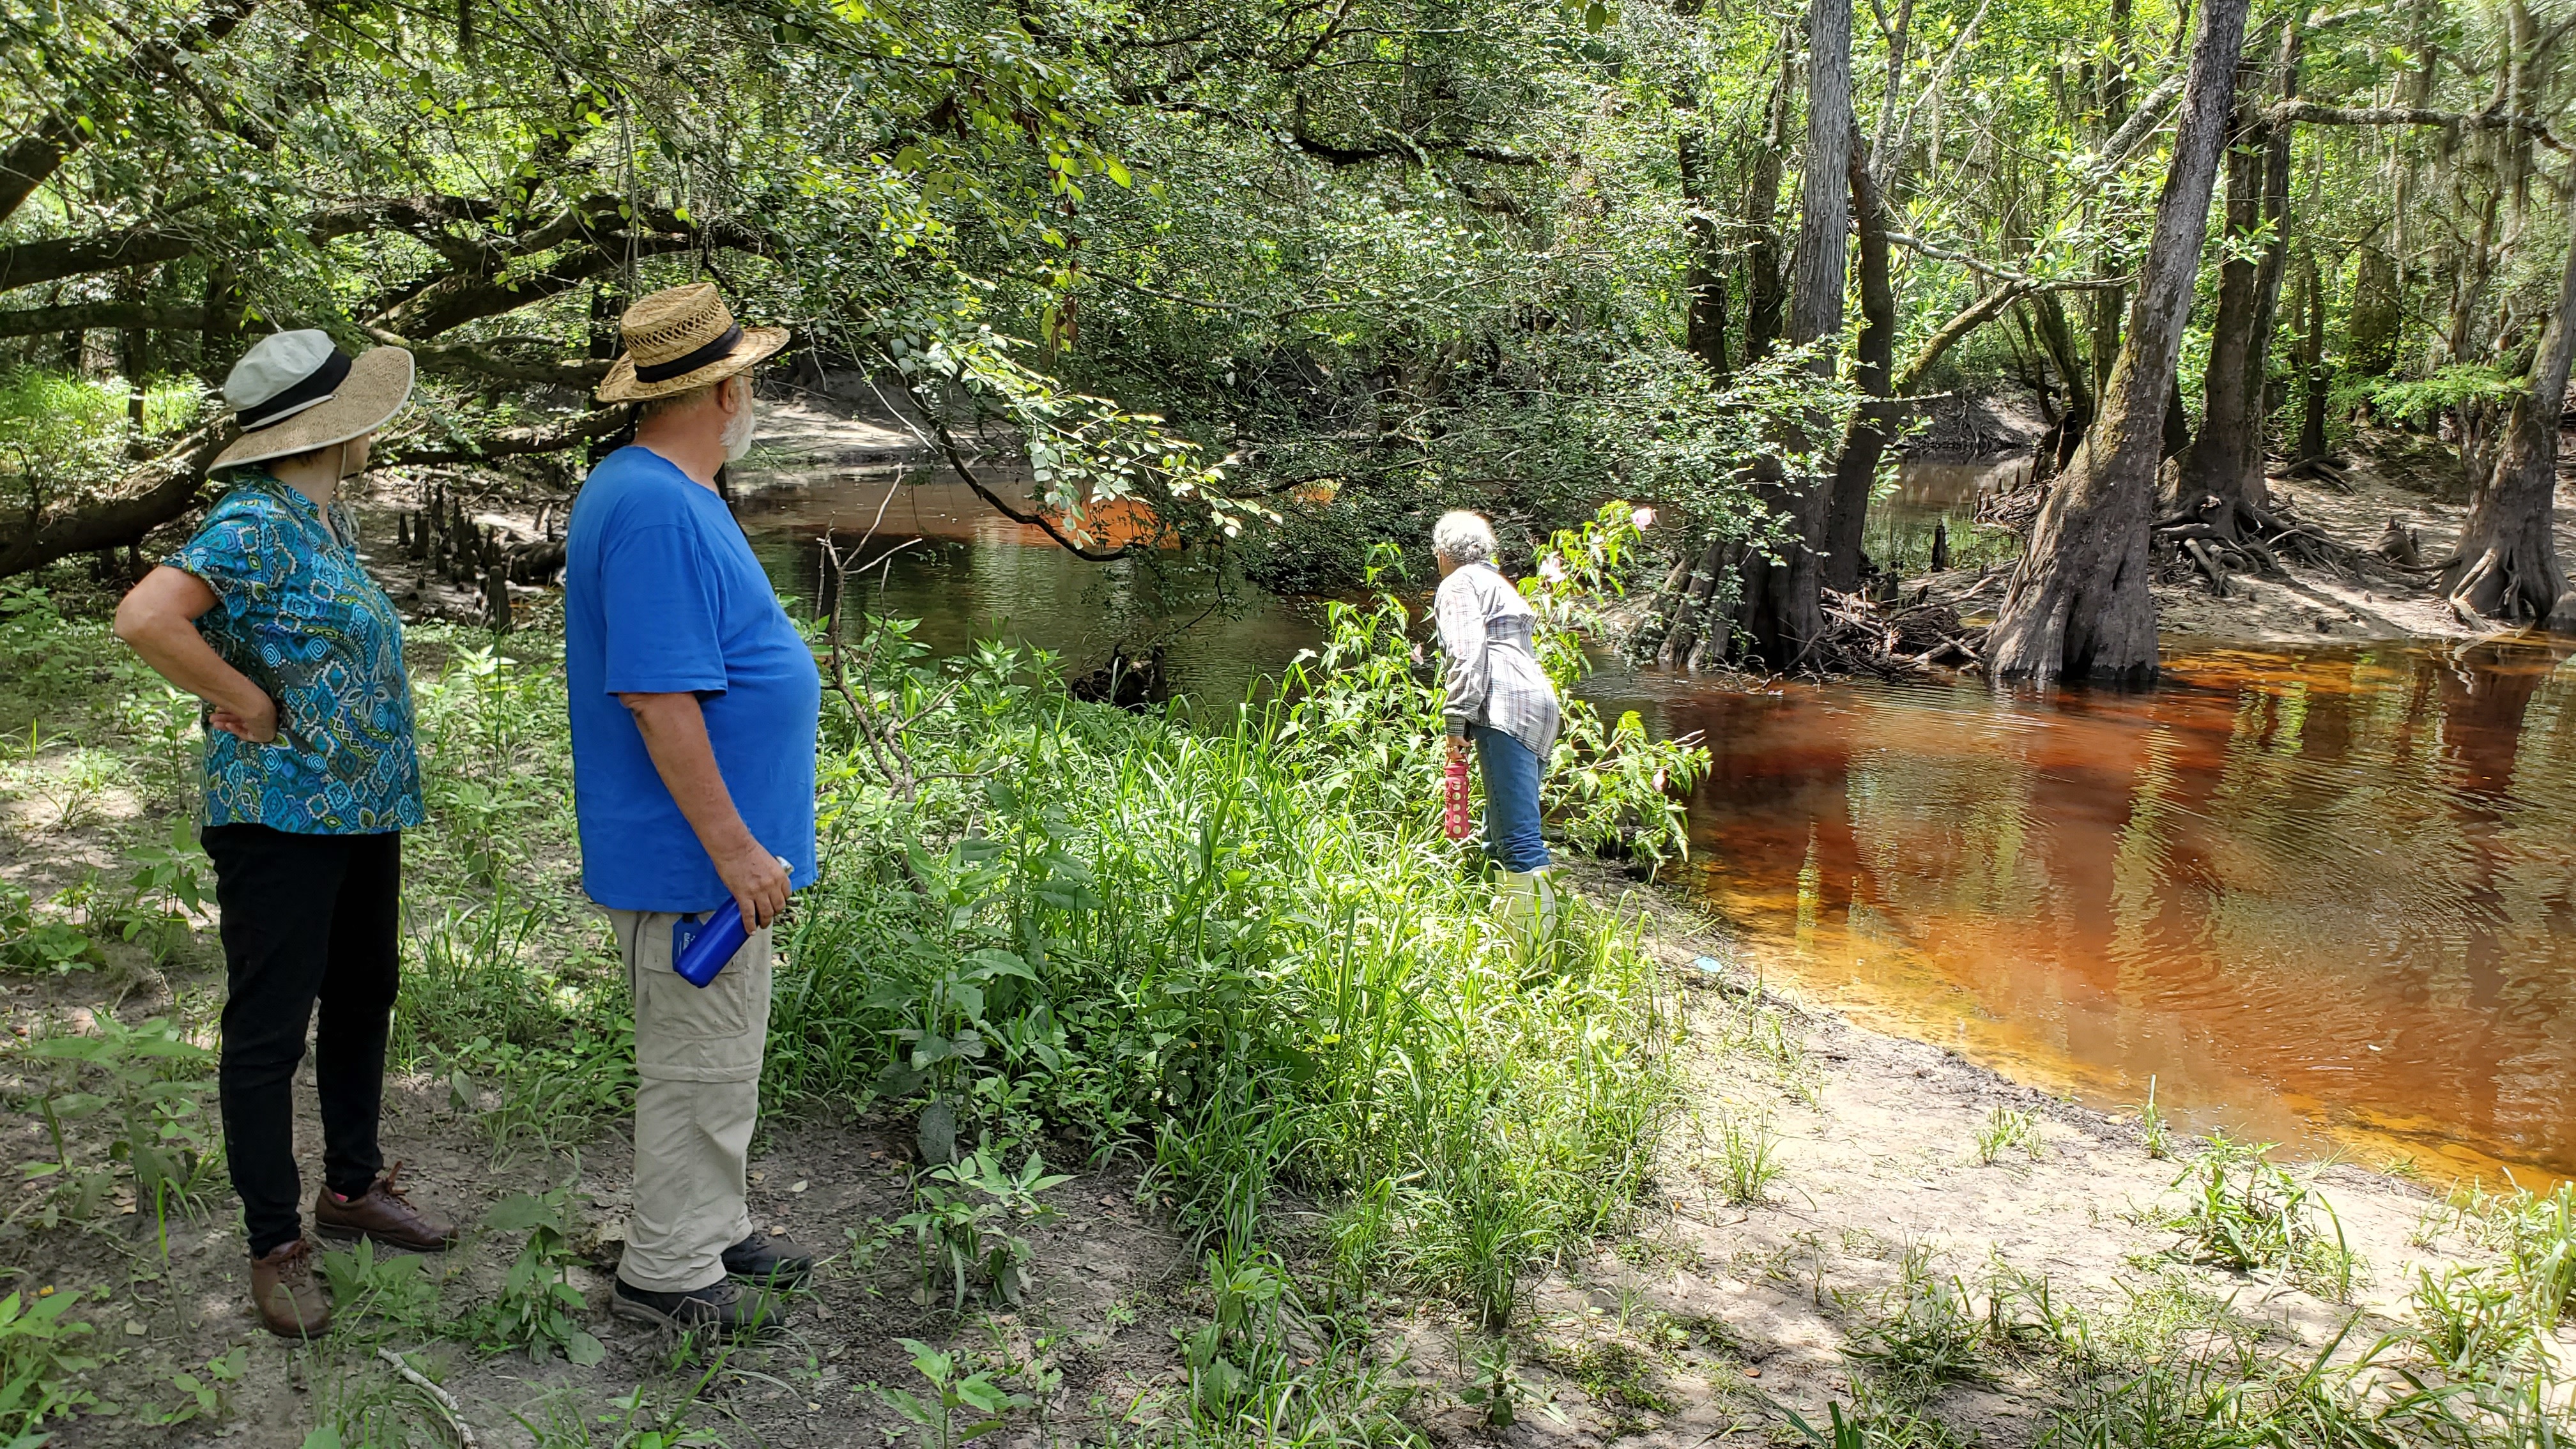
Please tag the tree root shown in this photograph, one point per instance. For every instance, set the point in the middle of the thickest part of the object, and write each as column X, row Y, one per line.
column 2321, row 468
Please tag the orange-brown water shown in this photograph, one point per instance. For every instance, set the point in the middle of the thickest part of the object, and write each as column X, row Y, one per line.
column 2320, row 897
column 2323, row 897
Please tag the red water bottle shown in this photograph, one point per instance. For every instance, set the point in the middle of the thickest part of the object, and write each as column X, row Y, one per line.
column 1454, row 792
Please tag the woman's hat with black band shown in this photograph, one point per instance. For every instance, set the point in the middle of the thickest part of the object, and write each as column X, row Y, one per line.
column 297, row 391
column 681, row 339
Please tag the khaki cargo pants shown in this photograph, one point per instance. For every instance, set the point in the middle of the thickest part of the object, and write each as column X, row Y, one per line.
column 697, row 1058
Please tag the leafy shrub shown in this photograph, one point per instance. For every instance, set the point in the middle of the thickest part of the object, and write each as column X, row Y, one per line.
column 537, row 1304
column 1243, row 947
column 147, row 1083
column 40, row 1359
column 964, row 1219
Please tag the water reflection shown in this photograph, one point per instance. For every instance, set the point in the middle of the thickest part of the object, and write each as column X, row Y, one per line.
column 927, row 549
column 2322, row 894
column 2330, row 888
column 1935, row 493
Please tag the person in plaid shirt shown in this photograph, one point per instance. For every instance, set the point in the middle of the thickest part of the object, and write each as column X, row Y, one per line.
column 1495, row 695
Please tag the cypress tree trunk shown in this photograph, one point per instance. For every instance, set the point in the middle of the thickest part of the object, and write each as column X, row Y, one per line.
column 2370, row 327
column 2226, row 460
column 2507, row 562
column 1762, row 291
column 1865, row 441
column 2314, row 376
column 2078, row 604
column 1782, row 611
column 1704, row 331
column 2177, row 437
column 2057, row 340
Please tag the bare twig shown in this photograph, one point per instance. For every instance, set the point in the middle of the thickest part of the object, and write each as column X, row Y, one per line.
column 446, row 1401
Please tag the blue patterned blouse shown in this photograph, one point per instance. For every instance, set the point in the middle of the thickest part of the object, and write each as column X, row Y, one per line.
column 297, row 613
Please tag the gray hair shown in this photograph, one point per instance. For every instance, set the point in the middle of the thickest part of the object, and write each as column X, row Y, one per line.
column 1463, row 537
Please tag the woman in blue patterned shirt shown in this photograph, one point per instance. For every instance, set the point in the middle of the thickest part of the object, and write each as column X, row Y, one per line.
column 268, row 615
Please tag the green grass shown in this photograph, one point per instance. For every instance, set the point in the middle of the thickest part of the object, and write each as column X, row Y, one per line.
column 1242, row 952
column 1923, row 1332
column 1748, row 1155
column 2007, row 1130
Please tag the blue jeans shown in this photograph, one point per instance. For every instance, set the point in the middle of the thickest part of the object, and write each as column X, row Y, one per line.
column 1511, row 799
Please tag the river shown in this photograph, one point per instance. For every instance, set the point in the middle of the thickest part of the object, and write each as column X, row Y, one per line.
column 2321, row 896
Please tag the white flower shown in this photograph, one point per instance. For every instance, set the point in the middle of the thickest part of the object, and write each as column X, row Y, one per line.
column 1643, row 518
column 1552, row 569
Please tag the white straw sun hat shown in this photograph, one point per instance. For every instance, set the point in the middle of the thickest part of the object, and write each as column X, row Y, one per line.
column 297, row 391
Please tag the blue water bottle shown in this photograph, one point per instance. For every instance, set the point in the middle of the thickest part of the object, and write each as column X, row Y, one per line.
column 701, row 950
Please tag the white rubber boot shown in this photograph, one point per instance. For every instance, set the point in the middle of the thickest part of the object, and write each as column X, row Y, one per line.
column 1529, row 905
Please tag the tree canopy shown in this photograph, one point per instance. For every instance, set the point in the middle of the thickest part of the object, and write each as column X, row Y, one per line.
column 1220, row 257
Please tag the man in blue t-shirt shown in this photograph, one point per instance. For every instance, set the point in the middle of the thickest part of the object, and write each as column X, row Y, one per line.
column 693, row 704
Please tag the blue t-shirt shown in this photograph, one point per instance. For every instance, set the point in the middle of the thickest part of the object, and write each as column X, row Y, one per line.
column 662, row 595
column 297, row 613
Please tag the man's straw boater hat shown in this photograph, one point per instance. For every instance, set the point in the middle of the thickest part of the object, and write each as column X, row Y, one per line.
column 297, row 391
column 681, row 339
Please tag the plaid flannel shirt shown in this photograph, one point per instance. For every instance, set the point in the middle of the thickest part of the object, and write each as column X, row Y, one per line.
column 1493, row 677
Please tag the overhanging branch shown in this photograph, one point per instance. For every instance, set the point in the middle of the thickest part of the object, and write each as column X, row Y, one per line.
column 2317, row 114
column 81, row 316
column 1033, row 519
column 515, row 442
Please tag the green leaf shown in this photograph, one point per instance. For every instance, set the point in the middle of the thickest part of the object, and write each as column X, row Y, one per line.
column 519, row 1212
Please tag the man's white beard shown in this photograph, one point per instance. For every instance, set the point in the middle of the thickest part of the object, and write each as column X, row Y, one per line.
column 738, row 430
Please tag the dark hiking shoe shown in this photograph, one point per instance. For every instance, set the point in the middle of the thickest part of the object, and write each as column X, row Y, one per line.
column 765, row 1259
column 290, row 1303
column 384, row 1214
column 721, row 1305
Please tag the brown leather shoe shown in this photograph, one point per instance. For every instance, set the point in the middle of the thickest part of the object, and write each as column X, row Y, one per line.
column 385, row 1215
column 290, row 1303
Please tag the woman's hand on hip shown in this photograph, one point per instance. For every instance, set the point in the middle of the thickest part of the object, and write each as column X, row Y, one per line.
column 253, row 718
column 157, row 619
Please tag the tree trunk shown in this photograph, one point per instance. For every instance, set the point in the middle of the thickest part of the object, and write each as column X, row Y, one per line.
column 1763, row 295
column 150, row 496
column 222, row 316
column 2371, row 326
column 2078, row 604
column 1692, row 610
column 1865, row 440
column 1704, row 330
column 2226, row 460
column 2057, row 340
column 2507, row 562
column 1782, row 611
column 2314, row 376
column 2177, row 435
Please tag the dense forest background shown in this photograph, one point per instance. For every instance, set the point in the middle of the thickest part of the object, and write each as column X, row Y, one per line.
column 1335, row 264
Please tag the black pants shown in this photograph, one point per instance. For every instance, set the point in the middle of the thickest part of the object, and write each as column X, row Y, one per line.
column 307, row 918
